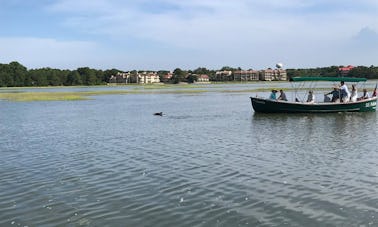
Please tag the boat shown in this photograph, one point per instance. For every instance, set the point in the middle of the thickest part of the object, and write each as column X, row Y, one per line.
column 265, row 105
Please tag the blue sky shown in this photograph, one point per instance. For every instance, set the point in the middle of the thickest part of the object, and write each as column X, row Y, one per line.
column 186, row 34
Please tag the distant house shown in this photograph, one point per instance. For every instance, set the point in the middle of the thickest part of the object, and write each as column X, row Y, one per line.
column 344, row 71
column 266, row 75
column 203, row 78
column 223, row 75
column 140, row 78
column 120, row 78
column 272, row 74
column 148, row 78
column 167, row 77
column 246, row 75
column 280, row 74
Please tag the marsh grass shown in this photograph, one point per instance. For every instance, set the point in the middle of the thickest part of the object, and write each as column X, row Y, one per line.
column 41, row 96
column 84, row 95
column 20, row 96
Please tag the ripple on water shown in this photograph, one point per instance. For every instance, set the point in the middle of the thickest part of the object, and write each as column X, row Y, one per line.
column 208, row 162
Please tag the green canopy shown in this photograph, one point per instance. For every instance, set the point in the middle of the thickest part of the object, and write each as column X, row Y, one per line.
column 346, row 79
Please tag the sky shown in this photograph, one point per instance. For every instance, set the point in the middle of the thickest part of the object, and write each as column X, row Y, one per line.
column 187, row 34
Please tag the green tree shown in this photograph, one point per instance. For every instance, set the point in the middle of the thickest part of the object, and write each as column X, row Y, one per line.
column 191, row 78
column 18, row 73
column 74, row 78
column 88, row 75
column 178, row 76
column 108, row 73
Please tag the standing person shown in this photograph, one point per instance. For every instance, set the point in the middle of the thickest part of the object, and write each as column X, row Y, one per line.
column 273, row 95
column 282, row 96
column 353, row 95
column 344, row 92
column 375, row 91
column 310, row 97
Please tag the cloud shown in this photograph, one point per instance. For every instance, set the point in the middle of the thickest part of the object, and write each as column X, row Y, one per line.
column 210, row 33
column 367, row 36
column 41, row 52
column 211, row 24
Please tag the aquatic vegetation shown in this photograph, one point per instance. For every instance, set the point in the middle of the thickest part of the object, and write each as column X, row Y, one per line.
column 25, row 96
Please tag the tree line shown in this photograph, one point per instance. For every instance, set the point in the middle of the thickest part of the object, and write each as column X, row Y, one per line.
column 15, row 74
column 333, row 71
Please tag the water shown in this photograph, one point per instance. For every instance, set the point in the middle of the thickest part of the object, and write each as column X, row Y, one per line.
column 209, row 161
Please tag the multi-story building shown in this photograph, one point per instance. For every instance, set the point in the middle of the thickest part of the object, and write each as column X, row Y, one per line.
column 246, row 75
column 223, row 75
column 266, row 75
column 120, row 78
column 280, row 74
column 148, row 78
column 272, row 74
column 140, row 78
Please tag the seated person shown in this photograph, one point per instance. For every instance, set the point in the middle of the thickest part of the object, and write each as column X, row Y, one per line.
column 310, row 97
column 335, row 94
column 273, row 95
column 282, row 96
column 365, row 95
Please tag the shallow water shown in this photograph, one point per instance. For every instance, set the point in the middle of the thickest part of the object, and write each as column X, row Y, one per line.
column 209, row 161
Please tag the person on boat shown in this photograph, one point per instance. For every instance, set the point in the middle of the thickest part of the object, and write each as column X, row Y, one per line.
column 353, row 95
column 326, row 98
column 335, row 94
column 344, row 92
column 282, row 96
column 310, row 97
column 273, row 95
column 365, row 95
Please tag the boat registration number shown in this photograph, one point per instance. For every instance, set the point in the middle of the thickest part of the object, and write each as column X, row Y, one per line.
column 370, row 104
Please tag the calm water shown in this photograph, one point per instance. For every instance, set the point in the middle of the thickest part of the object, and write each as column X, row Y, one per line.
column 210, row 161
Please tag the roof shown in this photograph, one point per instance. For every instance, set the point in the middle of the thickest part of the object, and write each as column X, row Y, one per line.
column 346, row 79
column 203, row 76
column 348, row 68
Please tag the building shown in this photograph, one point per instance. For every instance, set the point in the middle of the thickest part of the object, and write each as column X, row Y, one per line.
column 167, row 77
column 272, row 74
column 148, row 78
column 266, row 75
column 223, row 75
column 203, row 78
column 280, row 74
column 344, row 71
column 246, row 75
column 140, row 78
column 120, row 78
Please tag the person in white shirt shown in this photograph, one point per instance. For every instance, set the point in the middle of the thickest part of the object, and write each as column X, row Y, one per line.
column 365, row 95
column 353, row 95
column 345, row 94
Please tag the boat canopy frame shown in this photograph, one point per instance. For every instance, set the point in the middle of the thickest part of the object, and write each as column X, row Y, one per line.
column 312, row 83
column 345, row 79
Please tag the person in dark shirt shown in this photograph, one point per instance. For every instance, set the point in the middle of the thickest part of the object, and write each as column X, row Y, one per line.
column 310, row 97
column 335, row 94
column 282, row 96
